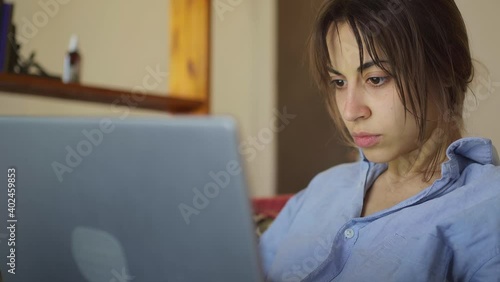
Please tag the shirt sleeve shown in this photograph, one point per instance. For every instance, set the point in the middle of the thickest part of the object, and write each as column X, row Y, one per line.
column 270, row 240
column 490, row 271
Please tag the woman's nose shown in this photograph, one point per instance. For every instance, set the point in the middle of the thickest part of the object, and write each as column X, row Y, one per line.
column 355, row 106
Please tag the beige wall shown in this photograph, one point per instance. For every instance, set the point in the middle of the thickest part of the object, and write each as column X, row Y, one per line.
column 482, row 24
column 244, row 79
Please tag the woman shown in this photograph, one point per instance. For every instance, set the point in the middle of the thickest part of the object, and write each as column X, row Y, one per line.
column 423, row 203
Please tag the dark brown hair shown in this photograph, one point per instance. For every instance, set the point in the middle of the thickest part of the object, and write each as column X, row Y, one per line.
column 426, row 45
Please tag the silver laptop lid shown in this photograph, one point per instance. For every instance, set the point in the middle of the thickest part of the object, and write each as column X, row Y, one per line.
column 124, row 200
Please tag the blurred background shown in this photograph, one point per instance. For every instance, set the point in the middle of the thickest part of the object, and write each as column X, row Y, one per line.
column 258, row 73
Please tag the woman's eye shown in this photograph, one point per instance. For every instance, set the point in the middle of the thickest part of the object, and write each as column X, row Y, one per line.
column 339, row 83
column 377, row 81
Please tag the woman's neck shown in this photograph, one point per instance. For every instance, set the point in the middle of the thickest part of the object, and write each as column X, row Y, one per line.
column 415, row 164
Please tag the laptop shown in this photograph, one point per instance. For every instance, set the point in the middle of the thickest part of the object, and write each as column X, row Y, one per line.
column 110, row 200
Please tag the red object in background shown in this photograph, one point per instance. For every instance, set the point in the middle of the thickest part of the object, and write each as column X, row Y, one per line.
column 270, row 207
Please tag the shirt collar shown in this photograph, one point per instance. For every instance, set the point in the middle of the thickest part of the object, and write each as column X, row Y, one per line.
column 466, row 151
column 478, row 150
column 460, row 154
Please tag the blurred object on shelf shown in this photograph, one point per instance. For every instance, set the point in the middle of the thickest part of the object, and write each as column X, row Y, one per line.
column 18, row 65
column 72, row 62
column 11, row 60
column 31, row 67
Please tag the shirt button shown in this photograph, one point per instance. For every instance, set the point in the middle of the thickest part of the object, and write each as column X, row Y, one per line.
column 349, row 233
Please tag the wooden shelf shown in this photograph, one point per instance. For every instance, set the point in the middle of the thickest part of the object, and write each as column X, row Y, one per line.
column 32, row 85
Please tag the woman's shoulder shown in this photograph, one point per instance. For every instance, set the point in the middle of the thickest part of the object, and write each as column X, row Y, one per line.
column 481, row 179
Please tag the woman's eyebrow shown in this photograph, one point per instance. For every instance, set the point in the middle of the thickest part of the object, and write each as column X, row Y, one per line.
column 370, row 64
column 330, row 69
column 364, row 66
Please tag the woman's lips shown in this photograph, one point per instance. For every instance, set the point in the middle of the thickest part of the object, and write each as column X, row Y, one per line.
column 366, row 141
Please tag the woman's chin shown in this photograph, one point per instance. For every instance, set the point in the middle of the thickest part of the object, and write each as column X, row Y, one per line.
column 376, row 155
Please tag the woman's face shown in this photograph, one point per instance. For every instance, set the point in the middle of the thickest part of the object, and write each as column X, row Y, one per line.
column 368, row 102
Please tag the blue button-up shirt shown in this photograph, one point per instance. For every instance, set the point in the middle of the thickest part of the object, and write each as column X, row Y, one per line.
column 449, row 231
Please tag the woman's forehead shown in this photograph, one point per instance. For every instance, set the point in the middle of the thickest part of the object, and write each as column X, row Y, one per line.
column 343, row 47
column 341, row 39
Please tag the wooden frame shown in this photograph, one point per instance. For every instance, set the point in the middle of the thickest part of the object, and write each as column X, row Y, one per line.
column 190, row 50
column 189, row 53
